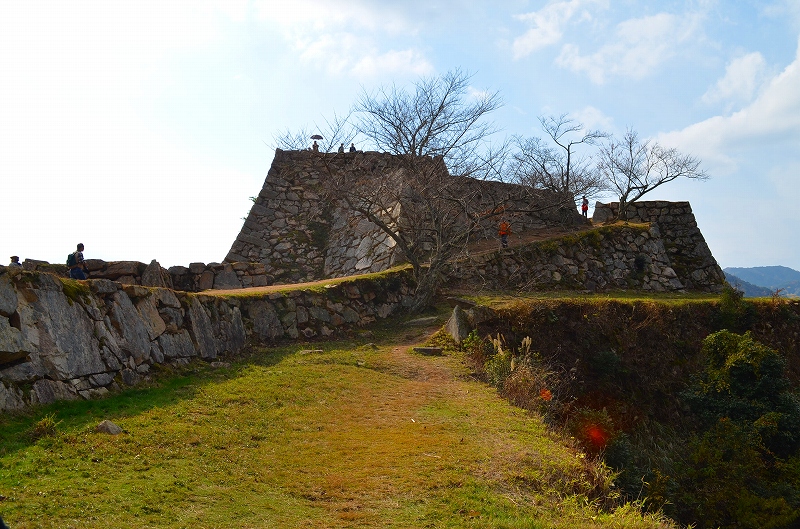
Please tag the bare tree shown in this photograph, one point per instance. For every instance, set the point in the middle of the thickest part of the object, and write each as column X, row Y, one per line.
column 335, row 131
column 431, row 207
column 555, row 164
column 634, row 167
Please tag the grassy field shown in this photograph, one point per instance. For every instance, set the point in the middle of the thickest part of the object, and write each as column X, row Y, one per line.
column 344, row 435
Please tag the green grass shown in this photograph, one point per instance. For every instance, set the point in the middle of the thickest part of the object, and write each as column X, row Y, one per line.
column 499, row 299
column 317, row 286
column 354, row 436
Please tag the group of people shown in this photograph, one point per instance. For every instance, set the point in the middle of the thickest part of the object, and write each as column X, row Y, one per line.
column 315, row 147
column 75, row 263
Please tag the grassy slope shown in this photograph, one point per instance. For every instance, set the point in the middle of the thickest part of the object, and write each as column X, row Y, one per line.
column 355, row 436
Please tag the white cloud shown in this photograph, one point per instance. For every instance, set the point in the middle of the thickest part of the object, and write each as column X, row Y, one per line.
column 346, row 37
column 783, row 9
column 743, row 76
column 547, row 25
column 639, row 46
column 771, row 121
column 316, row 16
column 393, row 62
column 593, row 119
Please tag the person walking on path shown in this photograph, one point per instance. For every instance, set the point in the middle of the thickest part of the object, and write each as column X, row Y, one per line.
column 504, row 231
column 76, row 264
column 15, row 261
column 585, row 207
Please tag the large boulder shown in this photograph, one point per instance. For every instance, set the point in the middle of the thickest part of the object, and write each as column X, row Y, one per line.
column 201, row 330
column 155, row 276
column 47, row 391
column 8, row 296
column 129, row 328
column 58, row 325
column 458, row 325
column 226, row 279
column 118, row 269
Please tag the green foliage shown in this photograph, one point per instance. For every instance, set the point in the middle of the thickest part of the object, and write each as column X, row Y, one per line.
column 735, row 313
column 728, row 482
column 593, row 429
column 745, row 381
column 47, row 426
column 499, row 366
column 742, row 467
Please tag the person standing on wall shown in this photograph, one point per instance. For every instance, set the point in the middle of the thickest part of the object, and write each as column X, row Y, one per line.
column 504, row 231
column 585, row 207
column 76, row 264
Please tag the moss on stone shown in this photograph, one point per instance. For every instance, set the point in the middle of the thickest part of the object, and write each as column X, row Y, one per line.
column 74, row 289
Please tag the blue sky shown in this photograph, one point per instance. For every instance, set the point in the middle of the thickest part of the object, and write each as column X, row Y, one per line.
column 141, row 128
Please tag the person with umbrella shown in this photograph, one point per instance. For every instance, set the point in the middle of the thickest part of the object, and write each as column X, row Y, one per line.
column 315, row 146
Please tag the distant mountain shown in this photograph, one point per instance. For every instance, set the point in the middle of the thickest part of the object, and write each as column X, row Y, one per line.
column 770, row 277
column 750, row 290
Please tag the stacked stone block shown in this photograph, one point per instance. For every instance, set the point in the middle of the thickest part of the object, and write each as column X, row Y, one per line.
column 686, row 247
column 298, row 236
column 62, row 340
column 595, row 260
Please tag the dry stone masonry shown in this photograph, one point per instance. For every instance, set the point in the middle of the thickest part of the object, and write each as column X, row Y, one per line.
column 62, row 339
column 298, row 236
column 661, row 250
column 595, row 260
column 675, row 224
column 194, row 278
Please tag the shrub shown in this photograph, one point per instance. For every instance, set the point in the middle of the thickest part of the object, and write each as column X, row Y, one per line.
column 734, row 312
column 743, row 467
column 47, row 426
column 593, row 429
column 499, row 366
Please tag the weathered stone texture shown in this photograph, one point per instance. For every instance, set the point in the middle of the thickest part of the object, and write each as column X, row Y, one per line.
column 299, row 237
column 689, row 255
column 81, row 342
column 618, row 257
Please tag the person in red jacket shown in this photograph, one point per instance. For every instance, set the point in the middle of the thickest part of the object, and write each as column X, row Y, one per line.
column 585, row 207
column 504, row 231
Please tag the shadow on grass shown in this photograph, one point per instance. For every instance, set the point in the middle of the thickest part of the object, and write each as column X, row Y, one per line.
column 168, row 387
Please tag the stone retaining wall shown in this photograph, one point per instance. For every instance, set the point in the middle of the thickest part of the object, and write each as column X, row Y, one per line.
column 298, row 236
column 194, row 278
column 62, row 339
column 618, row 257
column 686, row 247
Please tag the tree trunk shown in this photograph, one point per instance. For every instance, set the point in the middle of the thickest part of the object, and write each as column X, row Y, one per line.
column 427, row 284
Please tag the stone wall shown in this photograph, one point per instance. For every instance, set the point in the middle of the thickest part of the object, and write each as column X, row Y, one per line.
column 194, row 278
column 298, row 236
column 613, row 257
column 686, row 247
column 63, row 339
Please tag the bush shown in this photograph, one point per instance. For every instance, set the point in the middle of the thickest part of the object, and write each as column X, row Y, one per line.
column 47, row 426
column 593, row 429
column 742, row 468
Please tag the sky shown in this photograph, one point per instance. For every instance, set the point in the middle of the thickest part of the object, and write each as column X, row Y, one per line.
column 141, row 128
